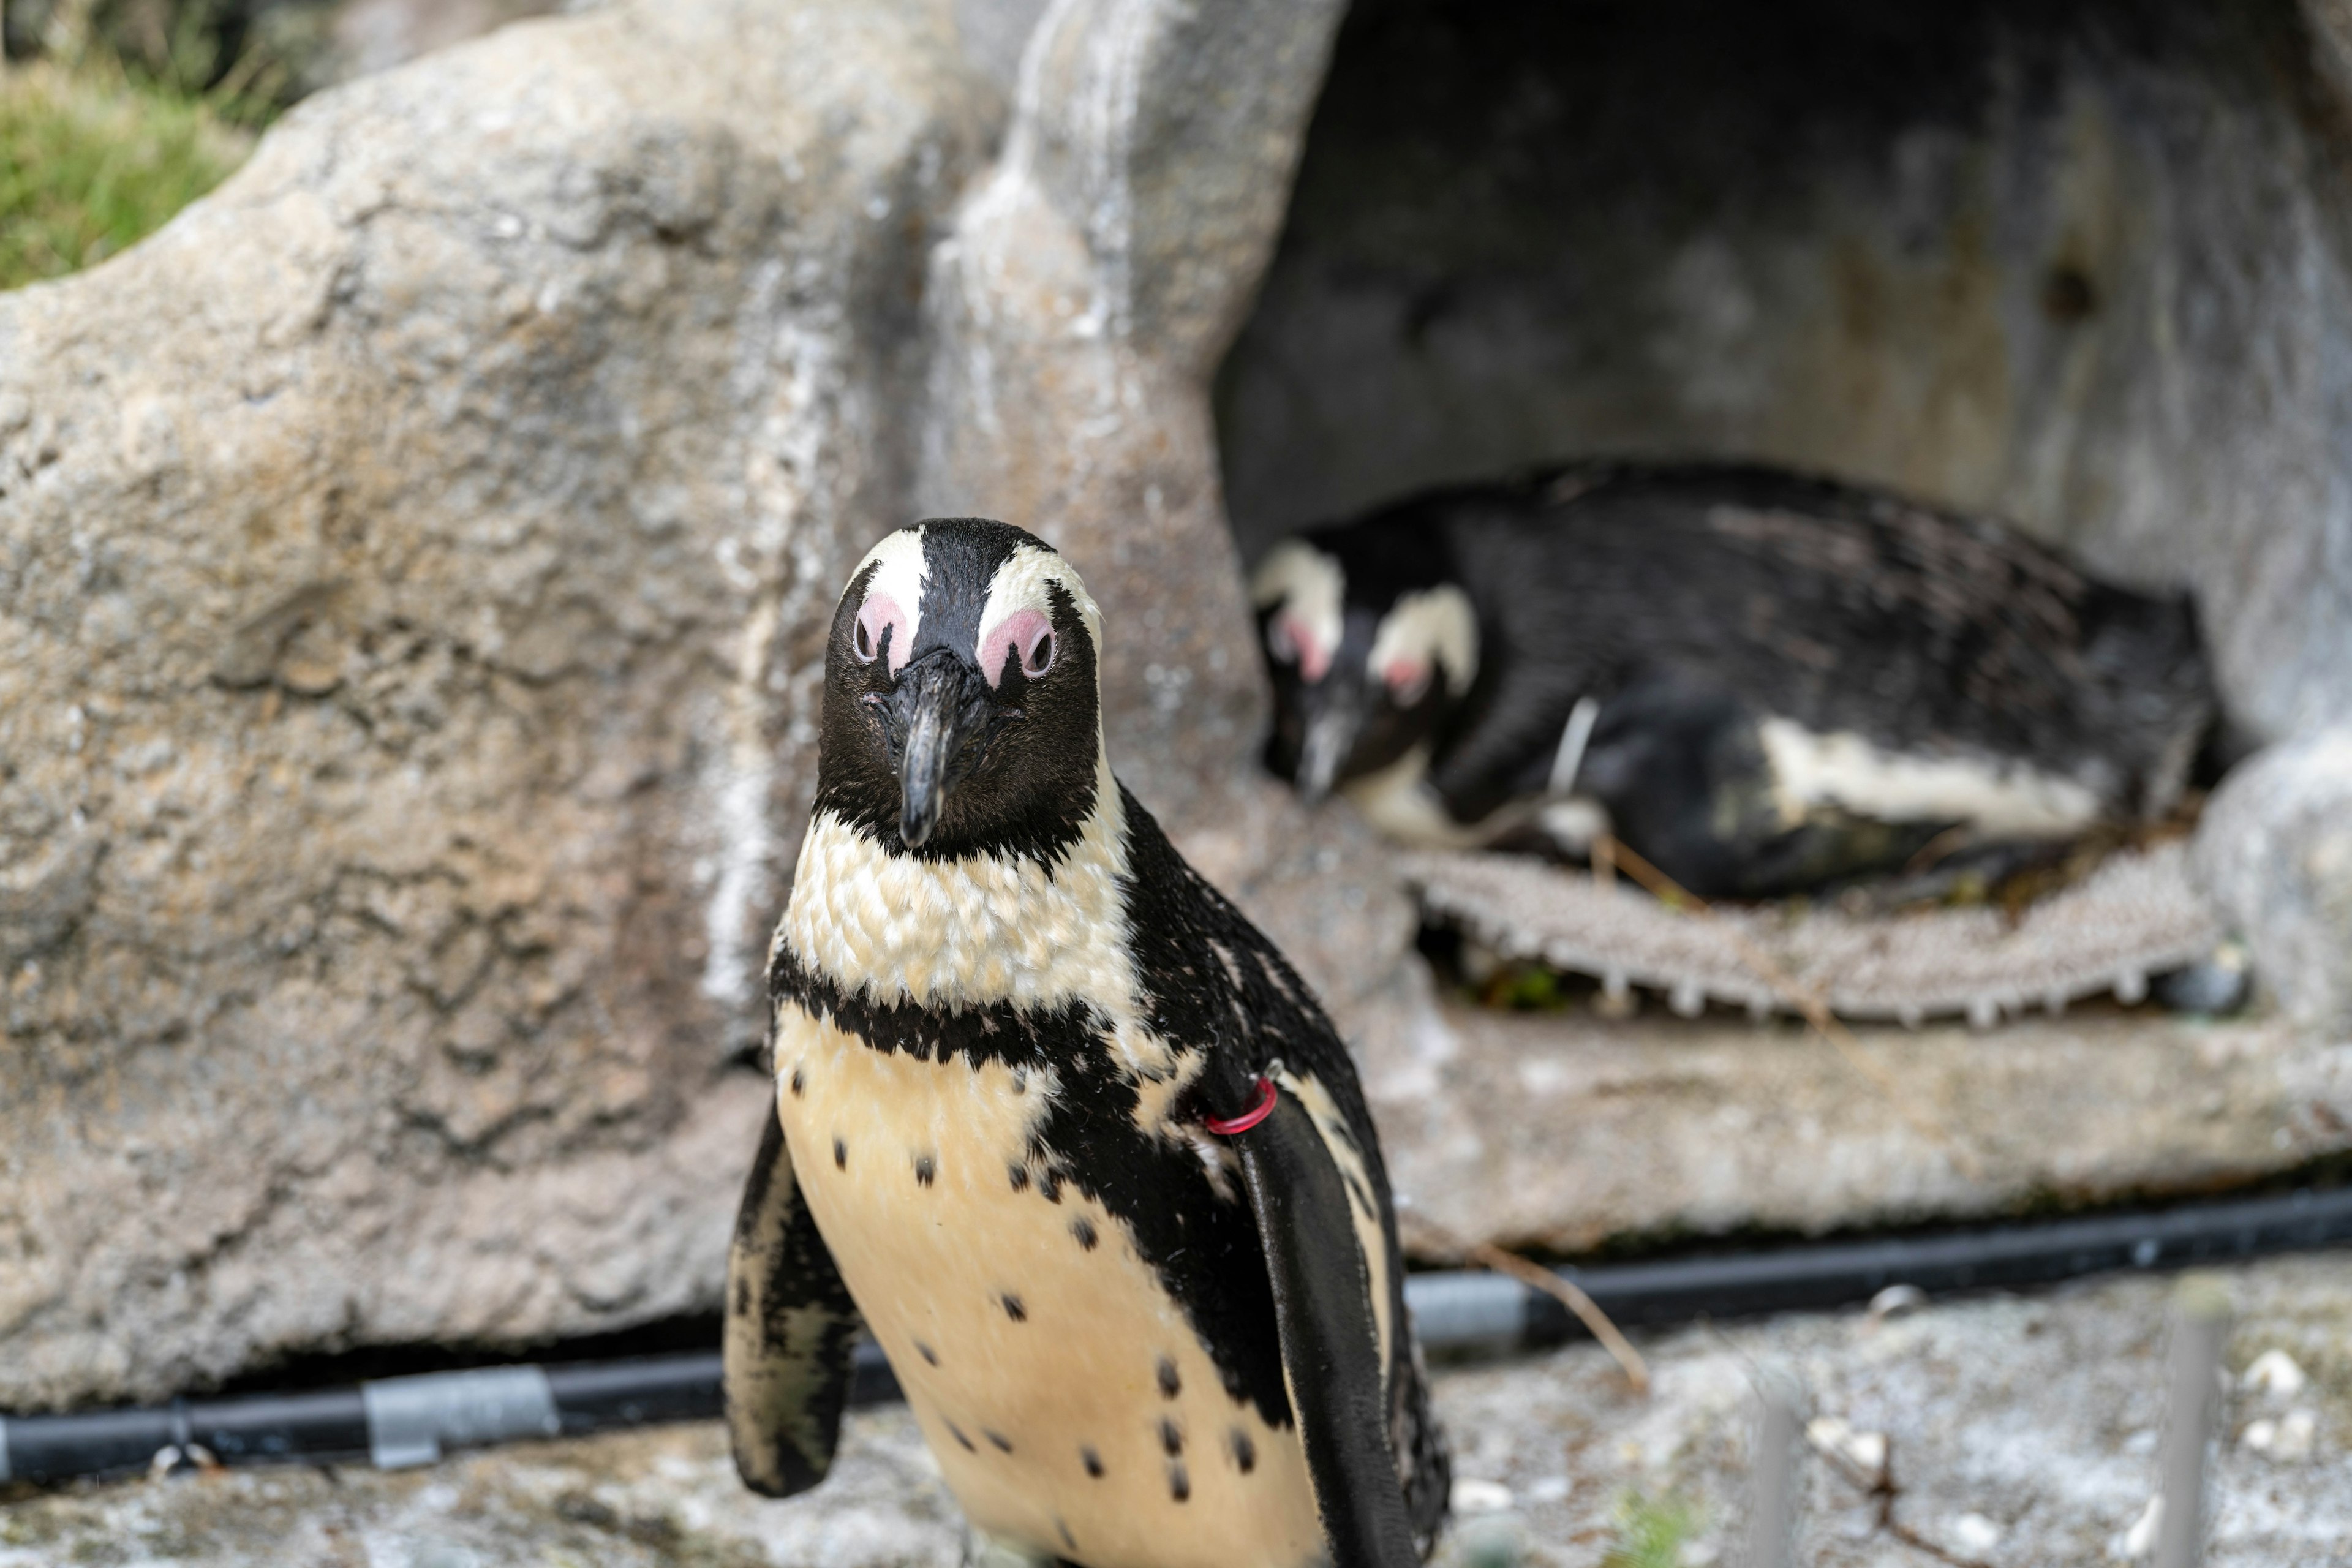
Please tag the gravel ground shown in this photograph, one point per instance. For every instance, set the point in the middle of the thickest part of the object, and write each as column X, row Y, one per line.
column 2018, row 1431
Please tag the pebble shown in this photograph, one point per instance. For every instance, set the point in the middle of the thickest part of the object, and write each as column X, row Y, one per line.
column 2217, row 985
column 2288, row 1440
column 2140, row 1539
column 2273, row 1373
column 1866, row 1451
column 1974, row 1534
column 1473, row 1496
column 1896, row 1300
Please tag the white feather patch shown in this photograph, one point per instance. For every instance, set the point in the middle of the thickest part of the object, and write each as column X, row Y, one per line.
column 1842, row 769
column 1429, row 627
column 1309, row 584
column 980, row 928
column 901, row 575
column 1020, row 582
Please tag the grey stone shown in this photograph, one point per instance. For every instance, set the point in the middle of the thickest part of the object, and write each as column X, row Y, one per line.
column 409, row 564
column 2218, row 983
column 1561, row 1131
column 2275, row 855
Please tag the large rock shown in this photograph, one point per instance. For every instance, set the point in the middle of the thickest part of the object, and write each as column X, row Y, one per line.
column 410, row 568
column 2275, row 851
column 1561, row 1134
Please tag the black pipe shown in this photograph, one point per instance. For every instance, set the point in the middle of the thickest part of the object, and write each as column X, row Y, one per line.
column 1834, row 1274
column 399, row 1421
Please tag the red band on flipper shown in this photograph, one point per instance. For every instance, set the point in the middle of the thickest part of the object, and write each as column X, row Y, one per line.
column 1247, row 1119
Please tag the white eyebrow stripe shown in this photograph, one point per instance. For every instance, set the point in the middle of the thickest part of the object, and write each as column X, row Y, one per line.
column 1310, row 581
column 1429, row 623
column 1020, row 582
column 901, row 575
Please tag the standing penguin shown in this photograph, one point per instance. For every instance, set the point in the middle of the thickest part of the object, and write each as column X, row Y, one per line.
column 1060, row 1126
column 1769, row 680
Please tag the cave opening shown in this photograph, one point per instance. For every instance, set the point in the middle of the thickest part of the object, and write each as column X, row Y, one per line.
column 2077, row 265
column 2082, row 266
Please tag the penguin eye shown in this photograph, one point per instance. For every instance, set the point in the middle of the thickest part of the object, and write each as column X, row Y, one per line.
column 1407, row 680
column 1291, row 640
column 1038, row 657
column 1024, row 634
column 878, row 616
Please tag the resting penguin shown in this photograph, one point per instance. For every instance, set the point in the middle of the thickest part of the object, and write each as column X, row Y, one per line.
column 1767, row 680
column 1060, row 1126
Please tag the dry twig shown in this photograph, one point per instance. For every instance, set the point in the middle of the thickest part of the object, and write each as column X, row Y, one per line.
column 1486, row 1255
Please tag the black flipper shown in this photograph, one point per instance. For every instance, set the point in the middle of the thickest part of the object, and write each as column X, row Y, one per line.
column 790, row 1324
column 1330, row 1350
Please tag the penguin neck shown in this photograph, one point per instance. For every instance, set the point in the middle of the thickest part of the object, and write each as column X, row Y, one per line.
column 948, row 934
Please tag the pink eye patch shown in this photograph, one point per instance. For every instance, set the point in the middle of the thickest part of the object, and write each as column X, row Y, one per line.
column 880, row 614
column 1406, row 679
column 1287, row 635
column 1024, row 634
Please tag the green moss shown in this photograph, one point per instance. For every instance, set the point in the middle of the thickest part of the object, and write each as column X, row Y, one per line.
column 1651, row 1534
column 92, row 160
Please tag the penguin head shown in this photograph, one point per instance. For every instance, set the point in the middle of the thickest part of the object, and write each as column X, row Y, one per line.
column 1367, row 661
column 962, row 708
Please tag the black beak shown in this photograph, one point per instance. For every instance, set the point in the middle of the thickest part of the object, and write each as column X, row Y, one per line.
column 1330, row 737
column 937, row 709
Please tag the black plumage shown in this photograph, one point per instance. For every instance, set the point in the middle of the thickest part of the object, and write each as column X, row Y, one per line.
column 1733, row 627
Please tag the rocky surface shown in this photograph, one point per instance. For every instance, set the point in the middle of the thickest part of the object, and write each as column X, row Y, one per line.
column 1562, row 1131
column 376, row 35
column 407, row 564
column 2016, row 1430
column 2276, row 854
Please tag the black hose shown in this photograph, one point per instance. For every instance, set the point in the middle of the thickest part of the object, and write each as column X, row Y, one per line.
column 400, row 1421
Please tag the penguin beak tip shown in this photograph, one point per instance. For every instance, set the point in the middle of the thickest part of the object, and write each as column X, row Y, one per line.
column 935, row 733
